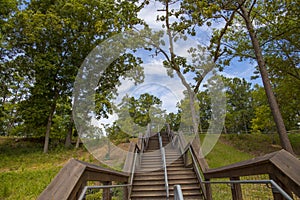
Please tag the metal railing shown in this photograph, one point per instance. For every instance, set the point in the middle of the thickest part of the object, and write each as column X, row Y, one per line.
column 163, row 156
column 178, row 193
column 144, row 143
column 272, row 185
column 86, row 189
column 132, row 171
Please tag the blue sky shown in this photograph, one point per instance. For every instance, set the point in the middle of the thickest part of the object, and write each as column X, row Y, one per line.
column 236, row 69
column 157, row 82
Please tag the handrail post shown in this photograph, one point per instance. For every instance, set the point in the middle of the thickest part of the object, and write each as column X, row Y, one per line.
column 236, row 189
column 106, row 191
column 276, row 194
column 208, row 190
column 125, row 193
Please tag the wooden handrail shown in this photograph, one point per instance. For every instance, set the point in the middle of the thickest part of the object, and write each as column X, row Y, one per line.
column 281, row 166
column 71, row 179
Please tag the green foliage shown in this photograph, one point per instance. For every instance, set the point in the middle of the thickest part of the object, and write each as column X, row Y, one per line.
column 185, row 113
column 45, row 44
column 94, row 195
column 224, row 154
column 135, row 114
column 139, row 109
column 117, row 135
column 262, row 122
column 239, row 105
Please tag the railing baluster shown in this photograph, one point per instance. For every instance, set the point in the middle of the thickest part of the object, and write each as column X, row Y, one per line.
column 163, row 155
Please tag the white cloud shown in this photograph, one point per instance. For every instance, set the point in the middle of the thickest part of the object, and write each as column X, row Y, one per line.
column 149, row 14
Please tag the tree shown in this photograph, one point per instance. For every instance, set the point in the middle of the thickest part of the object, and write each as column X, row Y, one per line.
column 248, row 44
column 187, row 117
column 136, row 114
column 202, row 62
column 246, row 14
column 54, row 38
column 262, row 119
column 239, row 105
column 286, row 89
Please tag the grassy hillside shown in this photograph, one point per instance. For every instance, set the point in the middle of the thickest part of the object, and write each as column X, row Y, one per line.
column 260, row 144
column 25, row 171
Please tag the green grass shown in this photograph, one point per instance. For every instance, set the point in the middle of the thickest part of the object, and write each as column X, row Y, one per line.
column 260, row 144
column 224, row 154
column 234, row 148
column 25, row 171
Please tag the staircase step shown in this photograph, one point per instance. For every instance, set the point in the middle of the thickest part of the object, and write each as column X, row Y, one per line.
column 182, row 176
column 160, row 187
column 148, row 178
column 178, row 168
column 182, row 182
column 149, row 183
column 180, row 172
column 142, row 194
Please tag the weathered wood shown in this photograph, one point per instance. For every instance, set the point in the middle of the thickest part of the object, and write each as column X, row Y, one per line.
column 236, row 189
column 62, row 185
column 208, row 191
column 129, row 158
column 106, row 192
column 196, row 150
column 283, row 166
column 276, row 194
column 286, row 168
column 195, row 145
column 69, row 182
column 255, row 166
column 125, row 193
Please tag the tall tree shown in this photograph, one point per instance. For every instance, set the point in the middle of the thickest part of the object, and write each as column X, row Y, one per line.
column 179, row 21
column 54, row 38
column 248, row 45
column 245, row 12
column 239, row 105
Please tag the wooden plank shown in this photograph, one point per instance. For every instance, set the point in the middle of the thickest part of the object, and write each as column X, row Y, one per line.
column 74, row 175
column 129, row 158
column 96, row 168
column 260, row 168
column 106, row 191
column 199, row 156
column 255, row 166
column 282, row 165
column 276, row 194
column 103, row 176
column 287, row 170
column 64, row 182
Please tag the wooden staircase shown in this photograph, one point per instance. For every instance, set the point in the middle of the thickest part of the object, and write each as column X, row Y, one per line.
column 149, row 180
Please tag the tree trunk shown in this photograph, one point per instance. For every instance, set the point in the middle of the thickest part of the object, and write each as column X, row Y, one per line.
column 193, row 111
column 77, row 142
column 68, row 141
column 48, row 128
column 267, row 85
column 191, row 93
